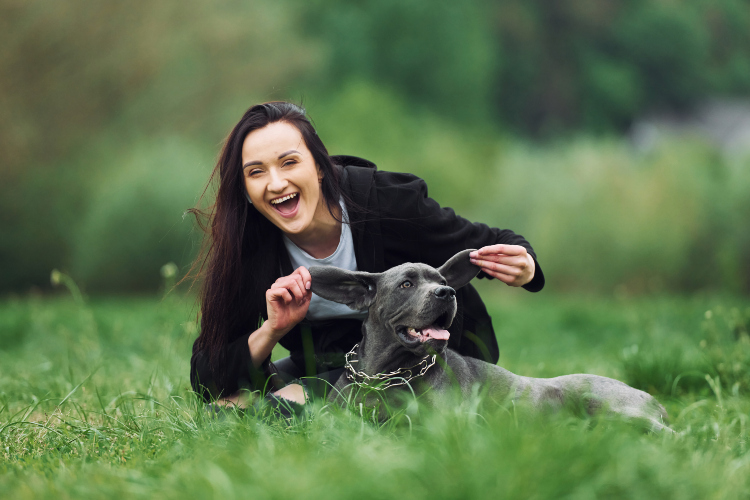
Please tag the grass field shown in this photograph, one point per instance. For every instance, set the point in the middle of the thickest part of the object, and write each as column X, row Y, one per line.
column 95, row 402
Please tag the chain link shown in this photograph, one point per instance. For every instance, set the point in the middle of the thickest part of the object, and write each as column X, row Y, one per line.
column 368, row 380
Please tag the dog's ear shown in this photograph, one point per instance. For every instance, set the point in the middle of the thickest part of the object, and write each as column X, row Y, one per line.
column 356, row 289
column 459, row 270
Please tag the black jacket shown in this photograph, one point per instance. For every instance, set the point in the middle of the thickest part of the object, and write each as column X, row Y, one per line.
column 395, row 222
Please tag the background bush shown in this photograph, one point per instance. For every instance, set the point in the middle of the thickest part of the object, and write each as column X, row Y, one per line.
column 111, row 116
column 136, row 217
column 540, row 67
column 605, row 217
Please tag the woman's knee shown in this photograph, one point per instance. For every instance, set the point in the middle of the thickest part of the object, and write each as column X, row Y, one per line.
column 293, row 392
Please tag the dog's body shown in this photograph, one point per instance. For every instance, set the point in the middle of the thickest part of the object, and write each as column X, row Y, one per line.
column 410, row 308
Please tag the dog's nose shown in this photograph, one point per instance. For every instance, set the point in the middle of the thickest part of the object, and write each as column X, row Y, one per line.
column 444, row 292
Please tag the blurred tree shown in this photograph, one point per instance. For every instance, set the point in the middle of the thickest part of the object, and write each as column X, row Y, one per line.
column 100, row 102
column 598, row 64
column 82, row 82
column 539, row 66
column 438, row 54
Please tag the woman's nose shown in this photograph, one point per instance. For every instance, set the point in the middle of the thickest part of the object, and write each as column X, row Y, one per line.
column 278, row 182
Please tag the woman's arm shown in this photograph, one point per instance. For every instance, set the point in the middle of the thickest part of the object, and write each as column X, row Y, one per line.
column 287, row 302
column 417, row 223
column 246, row 359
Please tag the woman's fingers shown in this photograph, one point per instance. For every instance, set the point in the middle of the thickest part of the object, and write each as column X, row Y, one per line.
column 514, row 266
column 297, row 287
column 304, row 281
column 505, row 278
column 488, row 265
column 295, row 284
column 508, row 260
column 499, row 249
column 306, row 277
column 288, row 300
column 274, row 294
column 287, row 285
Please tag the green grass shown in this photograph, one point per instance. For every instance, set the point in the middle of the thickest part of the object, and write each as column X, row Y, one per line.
column 95, row 402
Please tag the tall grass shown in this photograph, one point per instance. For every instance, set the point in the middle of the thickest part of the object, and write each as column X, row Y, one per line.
column 95, row 402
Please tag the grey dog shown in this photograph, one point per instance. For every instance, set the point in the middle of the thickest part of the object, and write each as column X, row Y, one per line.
column 411, row 307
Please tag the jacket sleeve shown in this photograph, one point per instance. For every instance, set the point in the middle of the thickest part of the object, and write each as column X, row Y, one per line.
column 419, row 228
column 239, row 372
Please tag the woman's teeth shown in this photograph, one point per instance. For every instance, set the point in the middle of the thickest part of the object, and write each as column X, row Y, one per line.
column 283, row 199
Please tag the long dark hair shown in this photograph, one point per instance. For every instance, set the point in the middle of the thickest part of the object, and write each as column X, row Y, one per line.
column 239, row 260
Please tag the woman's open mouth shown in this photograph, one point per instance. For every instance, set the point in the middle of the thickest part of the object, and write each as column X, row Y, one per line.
column 286, row 205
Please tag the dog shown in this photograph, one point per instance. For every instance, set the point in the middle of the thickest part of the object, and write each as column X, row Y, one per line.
column 410, row 308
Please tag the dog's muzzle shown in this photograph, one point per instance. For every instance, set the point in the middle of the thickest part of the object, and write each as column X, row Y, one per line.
column 444, row 292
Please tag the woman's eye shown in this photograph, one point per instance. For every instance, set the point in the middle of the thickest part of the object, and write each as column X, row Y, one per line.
column 255, row 172
column 289, row 163
column 406, row 284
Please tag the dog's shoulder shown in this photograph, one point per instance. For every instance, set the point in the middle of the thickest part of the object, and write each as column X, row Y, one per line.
column 469, row 371
column 465, row 369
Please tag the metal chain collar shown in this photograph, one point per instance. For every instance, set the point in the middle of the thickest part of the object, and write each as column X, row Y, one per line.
column 399, row 377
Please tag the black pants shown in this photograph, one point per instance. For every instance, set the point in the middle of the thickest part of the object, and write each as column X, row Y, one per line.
column 319, row 386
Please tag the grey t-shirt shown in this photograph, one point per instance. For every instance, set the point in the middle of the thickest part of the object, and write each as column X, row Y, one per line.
column 343, row 257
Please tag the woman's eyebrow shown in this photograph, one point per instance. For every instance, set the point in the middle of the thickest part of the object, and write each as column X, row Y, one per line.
column 291, row 151
column 251, row 163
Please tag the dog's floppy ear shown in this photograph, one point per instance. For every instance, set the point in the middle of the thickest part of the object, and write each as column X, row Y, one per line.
column 356, row 289
column 459, row 270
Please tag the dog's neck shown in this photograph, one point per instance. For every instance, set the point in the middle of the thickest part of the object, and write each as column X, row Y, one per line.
column 383, row 357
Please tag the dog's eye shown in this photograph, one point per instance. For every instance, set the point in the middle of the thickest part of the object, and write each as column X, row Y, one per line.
column 442, row 282
column 406, row 284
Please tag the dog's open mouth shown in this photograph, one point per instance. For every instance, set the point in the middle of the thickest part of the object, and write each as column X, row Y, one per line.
column 437, row 330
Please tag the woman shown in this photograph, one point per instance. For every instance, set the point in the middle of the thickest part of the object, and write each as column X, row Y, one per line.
column 283, row 204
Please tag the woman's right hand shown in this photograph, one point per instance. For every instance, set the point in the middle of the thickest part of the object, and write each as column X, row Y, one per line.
column 287, row 301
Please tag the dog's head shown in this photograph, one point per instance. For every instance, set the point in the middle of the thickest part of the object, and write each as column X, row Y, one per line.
column 413, row 304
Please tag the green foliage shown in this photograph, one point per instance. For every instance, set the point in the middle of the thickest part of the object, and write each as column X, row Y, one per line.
column 599, row 65
column 437, row 54
column 367, row 121
column 14, row 325
column 600, row 215
column 84, row 84
column 90, row 92
column 603, row 217
column 37, row 210
column 539, row 67
column 94, row 402
column 134, row 223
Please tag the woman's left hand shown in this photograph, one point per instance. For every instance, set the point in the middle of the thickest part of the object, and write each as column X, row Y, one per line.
column 511, row 264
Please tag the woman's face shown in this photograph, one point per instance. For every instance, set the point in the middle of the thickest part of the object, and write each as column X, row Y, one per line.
column 282, row 179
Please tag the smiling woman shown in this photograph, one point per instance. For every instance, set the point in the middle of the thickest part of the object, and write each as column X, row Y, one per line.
column 283, row 183
column 283, row 205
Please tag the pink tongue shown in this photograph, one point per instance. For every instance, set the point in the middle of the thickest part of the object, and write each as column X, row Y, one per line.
column 288, row 206
column 435, row 333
